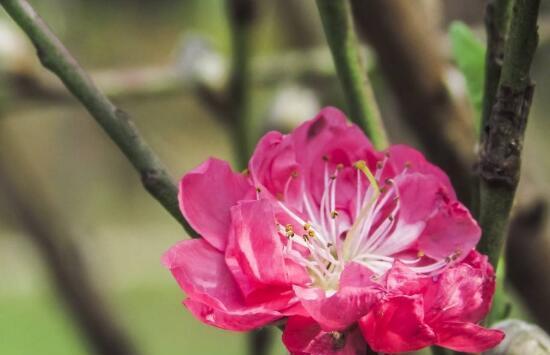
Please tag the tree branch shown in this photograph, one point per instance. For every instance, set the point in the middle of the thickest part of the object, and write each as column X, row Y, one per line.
column 60, row 253
column 415, row 69
column 340, row 35
column 500, row 155
column 116, row 123
column 241, row 16
column 527, row 260
column 497, row 18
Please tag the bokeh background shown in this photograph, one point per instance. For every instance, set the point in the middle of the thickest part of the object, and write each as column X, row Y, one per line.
column 68, row 166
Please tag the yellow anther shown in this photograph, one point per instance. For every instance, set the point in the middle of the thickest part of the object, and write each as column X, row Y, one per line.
column 362, row 165
column 334, row 214
column 289, row 227
column 307, row 226
column 311, row 233
column 420, row 253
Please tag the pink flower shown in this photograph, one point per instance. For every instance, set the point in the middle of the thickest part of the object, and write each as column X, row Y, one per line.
column 329, row 232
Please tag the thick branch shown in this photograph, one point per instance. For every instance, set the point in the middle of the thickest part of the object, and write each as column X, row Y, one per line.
column 497, row 17
column 340, row 34
column 60, row 253
column 55, row 57
column 411, row 62
column 500, row 155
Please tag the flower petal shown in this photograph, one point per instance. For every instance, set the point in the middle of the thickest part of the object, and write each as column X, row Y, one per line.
column 201, row 272
column 452, row 231
column 461, row 293
column 397, row 325
column 238, row 320
column 254, row 252
column 304, row 336
column 353, row 299
column 467, row 337
column 206, row 195
column 403, row 157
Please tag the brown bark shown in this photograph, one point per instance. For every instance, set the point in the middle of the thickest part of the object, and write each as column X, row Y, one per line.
column 414, row 68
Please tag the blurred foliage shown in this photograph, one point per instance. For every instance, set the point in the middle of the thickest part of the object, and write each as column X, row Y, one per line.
column 469, row 55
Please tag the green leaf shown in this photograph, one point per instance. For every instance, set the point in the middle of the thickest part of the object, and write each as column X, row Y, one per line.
column 469, row 54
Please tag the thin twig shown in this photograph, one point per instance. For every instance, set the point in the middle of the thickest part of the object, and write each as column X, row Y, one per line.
column 410, row 60
column 340, row 35
column 116, row 123
column 58, row 248
column 500, row 155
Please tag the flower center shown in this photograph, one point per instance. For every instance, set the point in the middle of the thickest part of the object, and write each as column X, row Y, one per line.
column 324, row 237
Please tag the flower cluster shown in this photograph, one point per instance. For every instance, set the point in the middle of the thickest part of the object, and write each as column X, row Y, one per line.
column 348, row 245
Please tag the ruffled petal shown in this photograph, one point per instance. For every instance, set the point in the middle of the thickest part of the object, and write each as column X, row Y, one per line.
column 461, row 293
column 402, row 157
column 304, row 336
column 275, row 171
column 467, row 337
column 452, row 231
column 206, row 195
column 242, row 319
column 353, row 299
column 201, row 272
column 397, row 325
column 254, row 253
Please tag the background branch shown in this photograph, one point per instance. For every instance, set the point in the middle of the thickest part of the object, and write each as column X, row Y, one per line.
column 340, row 35
column 55, row 57
column 415, row 70
column 60, row 253
column 500, row 155
column 527, row 255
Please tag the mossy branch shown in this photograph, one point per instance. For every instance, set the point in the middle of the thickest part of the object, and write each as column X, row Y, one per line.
column 502, row 143
column 54, row 56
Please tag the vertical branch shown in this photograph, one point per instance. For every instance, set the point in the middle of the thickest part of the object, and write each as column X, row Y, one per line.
column 497, row 18
column 415, row 70
column 61, row 255
column 259, row 341
column 241, row 16
column 527, row 256
column 116, row 123
column 340, row 35
column 500, row 155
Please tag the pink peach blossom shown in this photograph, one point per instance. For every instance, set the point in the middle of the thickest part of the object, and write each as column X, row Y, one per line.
column 338, row 238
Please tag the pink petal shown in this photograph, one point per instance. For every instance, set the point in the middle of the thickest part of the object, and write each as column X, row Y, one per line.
column 397, row 325
column 206, row 195
column 304, row 336
column 274, row 169
column 467, row 337
column 452, row 231
column 402, row 156
column 461, row 293
column 353, row 300
column 201, row 272
column 254, row 252
column 238, row 320
column 329, row 139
